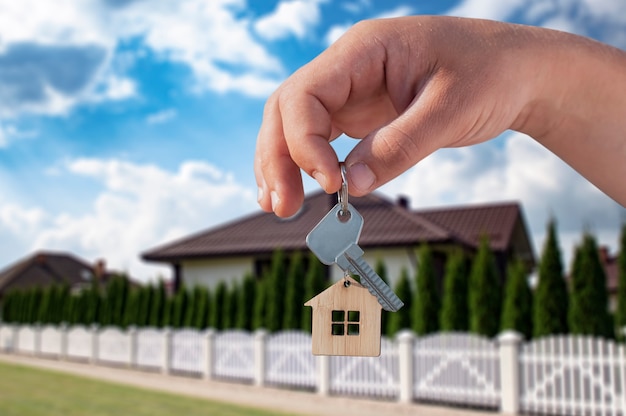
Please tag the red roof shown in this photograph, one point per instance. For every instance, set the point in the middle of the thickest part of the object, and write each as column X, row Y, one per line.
column 386, row 224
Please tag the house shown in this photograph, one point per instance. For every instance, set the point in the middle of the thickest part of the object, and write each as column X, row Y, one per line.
column 346, row 321
column 611, row 270
column 391, row 232
column 46, row 268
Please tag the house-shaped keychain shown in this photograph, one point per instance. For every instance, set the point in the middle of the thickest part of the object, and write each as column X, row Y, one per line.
column 346, row 320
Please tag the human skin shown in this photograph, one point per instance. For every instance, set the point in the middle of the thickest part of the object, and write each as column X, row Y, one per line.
column 412, row 85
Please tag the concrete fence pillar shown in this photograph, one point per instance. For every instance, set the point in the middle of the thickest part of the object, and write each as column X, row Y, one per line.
column 323, row 367
column 509, row 344
column 95, row 343
column 260, row 340
column 406, row 341
column 167, row 351
column 132, row 353
column 64, row 329
column 209, row 353
column 37, row 339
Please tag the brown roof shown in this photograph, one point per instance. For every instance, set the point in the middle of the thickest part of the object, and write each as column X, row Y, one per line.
column 385, row 224
column 43, row 269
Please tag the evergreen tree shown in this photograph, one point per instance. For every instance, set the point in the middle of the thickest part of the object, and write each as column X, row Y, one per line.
column 62, row 300
column 588, row 313
column 231, row 304
column 181, row 300
column 190, row 311
column 518, row 302
column 484, row 293
column 158, row 306
column 260, row 304
column 246, row 302
column 44, row 306
column 315, row 283
column 276, row 293
column 454, row 308
column 426, row 302
column 550, row 302
column 145, row 298
column 217, row 311
column 201, row 294
column 402, row 318
column 381, row 270
column 620, row 313
column 93, row 304
column 131, row 310
column 294, row 293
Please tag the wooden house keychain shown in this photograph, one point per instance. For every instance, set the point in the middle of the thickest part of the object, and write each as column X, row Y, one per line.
column 346, row 316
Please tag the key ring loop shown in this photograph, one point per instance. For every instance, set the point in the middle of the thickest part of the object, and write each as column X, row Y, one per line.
column 343, row 192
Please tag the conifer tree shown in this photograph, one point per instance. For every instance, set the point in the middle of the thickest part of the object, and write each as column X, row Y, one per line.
column 485, row 293
column 190, row 309
column 131, row 310
column 181, row 300
column 294, row 293
column 315, row 283
column 381, row 270
column 518, row 301
column 276, row 292
column 231, row 302
column 426, row 301
column 454, row 309
column 588, row 313
column 550, row 302
column 201, row 293
column 145, row 298
column 217, row 311
column 620, row 313
column 93, row 304
column 44, row 306
column 63, row 300
column 246, row 302
column 402, row 318
column 158, row 306
column 260, row 303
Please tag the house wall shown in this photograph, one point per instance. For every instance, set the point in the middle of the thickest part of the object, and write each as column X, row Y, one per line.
column 209, row 272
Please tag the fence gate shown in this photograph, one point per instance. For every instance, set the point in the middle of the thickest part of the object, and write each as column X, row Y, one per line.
column 234, row 356
column 457, row 368
column 573, row 375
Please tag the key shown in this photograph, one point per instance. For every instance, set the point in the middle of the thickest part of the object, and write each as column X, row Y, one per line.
column 335, row 240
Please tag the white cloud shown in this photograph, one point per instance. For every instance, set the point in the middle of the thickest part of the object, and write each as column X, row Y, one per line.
column 139, row 207
column 9, row 133
column 335, row 32
column 294, row 17
column 162, row 116
column 397, row 12
column 516, row 168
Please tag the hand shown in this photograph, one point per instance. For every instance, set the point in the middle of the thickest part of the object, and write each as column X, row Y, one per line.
column 410, row 86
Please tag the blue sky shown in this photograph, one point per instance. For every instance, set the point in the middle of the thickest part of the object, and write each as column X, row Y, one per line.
column 125, row 124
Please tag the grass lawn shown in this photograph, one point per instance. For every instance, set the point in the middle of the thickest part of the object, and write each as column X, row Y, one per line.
column 26, row 391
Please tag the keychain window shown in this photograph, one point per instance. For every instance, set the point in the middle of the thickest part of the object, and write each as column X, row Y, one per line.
column 345, row 323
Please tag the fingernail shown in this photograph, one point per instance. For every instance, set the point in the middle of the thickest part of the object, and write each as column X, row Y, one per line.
column 320, row 178
column 260, row 194
column 361, row 177
column 275, row 200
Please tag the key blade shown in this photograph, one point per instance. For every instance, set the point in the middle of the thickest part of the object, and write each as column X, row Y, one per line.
column 332, row 236
column 372, row 281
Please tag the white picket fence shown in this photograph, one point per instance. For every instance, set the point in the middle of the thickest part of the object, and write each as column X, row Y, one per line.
column 552, row 376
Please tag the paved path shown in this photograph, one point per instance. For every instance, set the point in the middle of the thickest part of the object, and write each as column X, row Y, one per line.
column 298, row 402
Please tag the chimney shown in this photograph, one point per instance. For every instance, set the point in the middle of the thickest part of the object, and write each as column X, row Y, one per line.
column 99, row 269
column 40, row 258
column 403, row 201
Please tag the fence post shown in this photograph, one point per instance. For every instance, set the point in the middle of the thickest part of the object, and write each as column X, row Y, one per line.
column 37, row 338
column 63, row 353
column 323, row 365
column 15, row 338
column 509, row 345
column 167, row 350
column 260, row 339
column 209, row 348
column 406, row 340
column 94, row 344
column 132, row 354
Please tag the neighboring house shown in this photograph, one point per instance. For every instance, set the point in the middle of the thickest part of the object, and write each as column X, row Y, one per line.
column 46, row 268
column 392, row 232
column 611, row 270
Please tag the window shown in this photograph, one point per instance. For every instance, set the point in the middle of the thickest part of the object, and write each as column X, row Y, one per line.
column 345, row 322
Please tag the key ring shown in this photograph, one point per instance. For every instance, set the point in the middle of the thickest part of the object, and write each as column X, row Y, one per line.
column 342, row 195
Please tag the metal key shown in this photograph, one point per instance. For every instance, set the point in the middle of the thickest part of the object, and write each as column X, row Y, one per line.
column 335, row 240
